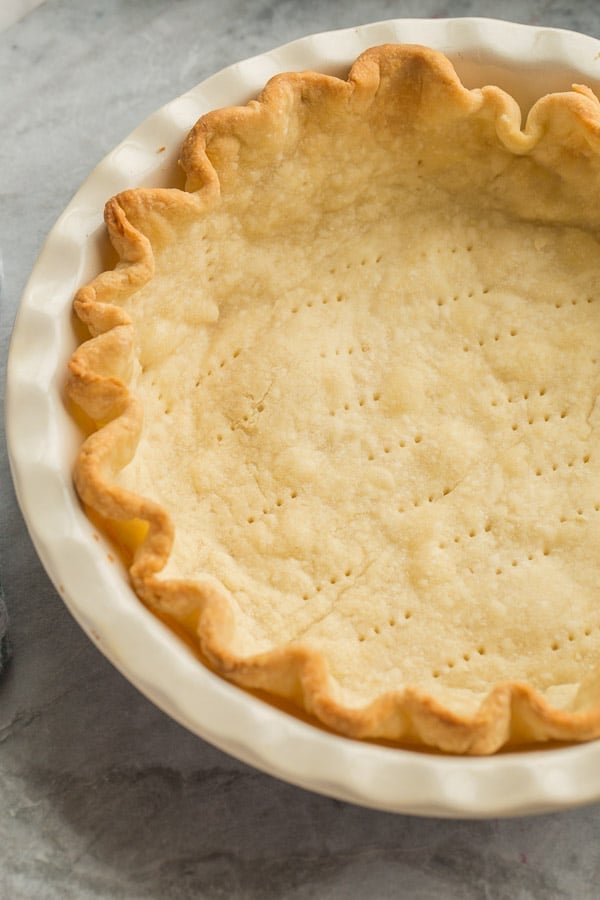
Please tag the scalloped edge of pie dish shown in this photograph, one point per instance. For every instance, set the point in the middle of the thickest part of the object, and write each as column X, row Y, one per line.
column 327, row 763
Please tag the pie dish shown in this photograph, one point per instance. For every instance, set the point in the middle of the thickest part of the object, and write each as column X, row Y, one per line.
column 344, row 395
column 43, row 441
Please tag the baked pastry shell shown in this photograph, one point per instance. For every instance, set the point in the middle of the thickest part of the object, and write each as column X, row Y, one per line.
column 52, row 538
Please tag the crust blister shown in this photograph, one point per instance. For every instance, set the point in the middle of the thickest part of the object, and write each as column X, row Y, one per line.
column 561, row 137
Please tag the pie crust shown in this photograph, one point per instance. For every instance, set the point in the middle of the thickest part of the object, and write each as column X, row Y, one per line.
column 343, row 401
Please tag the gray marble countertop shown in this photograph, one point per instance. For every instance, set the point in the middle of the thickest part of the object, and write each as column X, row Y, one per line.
column 101, row 795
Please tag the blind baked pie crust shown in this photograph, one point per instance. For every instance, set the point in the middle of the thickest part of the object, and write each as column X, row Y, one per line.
column 345, row 388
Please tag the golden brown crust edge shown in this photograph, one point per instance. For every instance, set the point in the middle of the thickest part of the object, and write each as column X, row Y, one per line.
column 100, row 369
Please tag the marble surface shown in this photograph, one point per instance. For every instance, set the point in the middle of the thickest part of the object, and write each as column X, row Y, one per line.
column 101, row 795
column 13, row 10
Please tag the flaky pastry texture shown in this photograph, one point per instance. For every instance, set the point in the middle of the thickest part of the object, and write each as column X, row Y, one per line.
column 347, row 380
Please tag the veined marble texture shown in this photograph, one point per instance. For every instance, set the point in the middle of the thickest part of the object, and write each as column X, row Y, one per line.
column 13, row 10
column 101, row 795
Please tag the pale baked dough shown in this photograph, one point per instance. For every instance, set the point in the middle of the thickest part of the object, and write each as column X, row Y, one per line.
column 366, row 346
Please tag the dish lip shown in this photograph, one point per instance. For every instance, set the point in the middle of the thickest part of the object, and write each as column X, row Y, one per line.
column 42, row 438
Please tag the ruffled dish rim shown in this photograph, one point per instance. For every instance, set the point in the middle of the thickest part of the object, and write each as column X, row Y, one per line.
column 96, row 626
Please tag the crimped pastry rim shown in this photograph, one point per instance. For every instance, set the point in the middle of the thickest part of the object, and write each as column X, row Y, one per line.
column 297, row 671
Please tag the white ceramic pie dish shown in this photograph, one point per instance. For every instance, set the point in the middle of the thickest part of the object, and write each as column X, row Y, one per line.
column 43, row 440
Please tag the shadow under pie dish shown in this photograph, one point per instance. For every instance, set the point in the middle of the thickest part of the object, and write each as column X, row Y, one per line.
column 344, row 388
